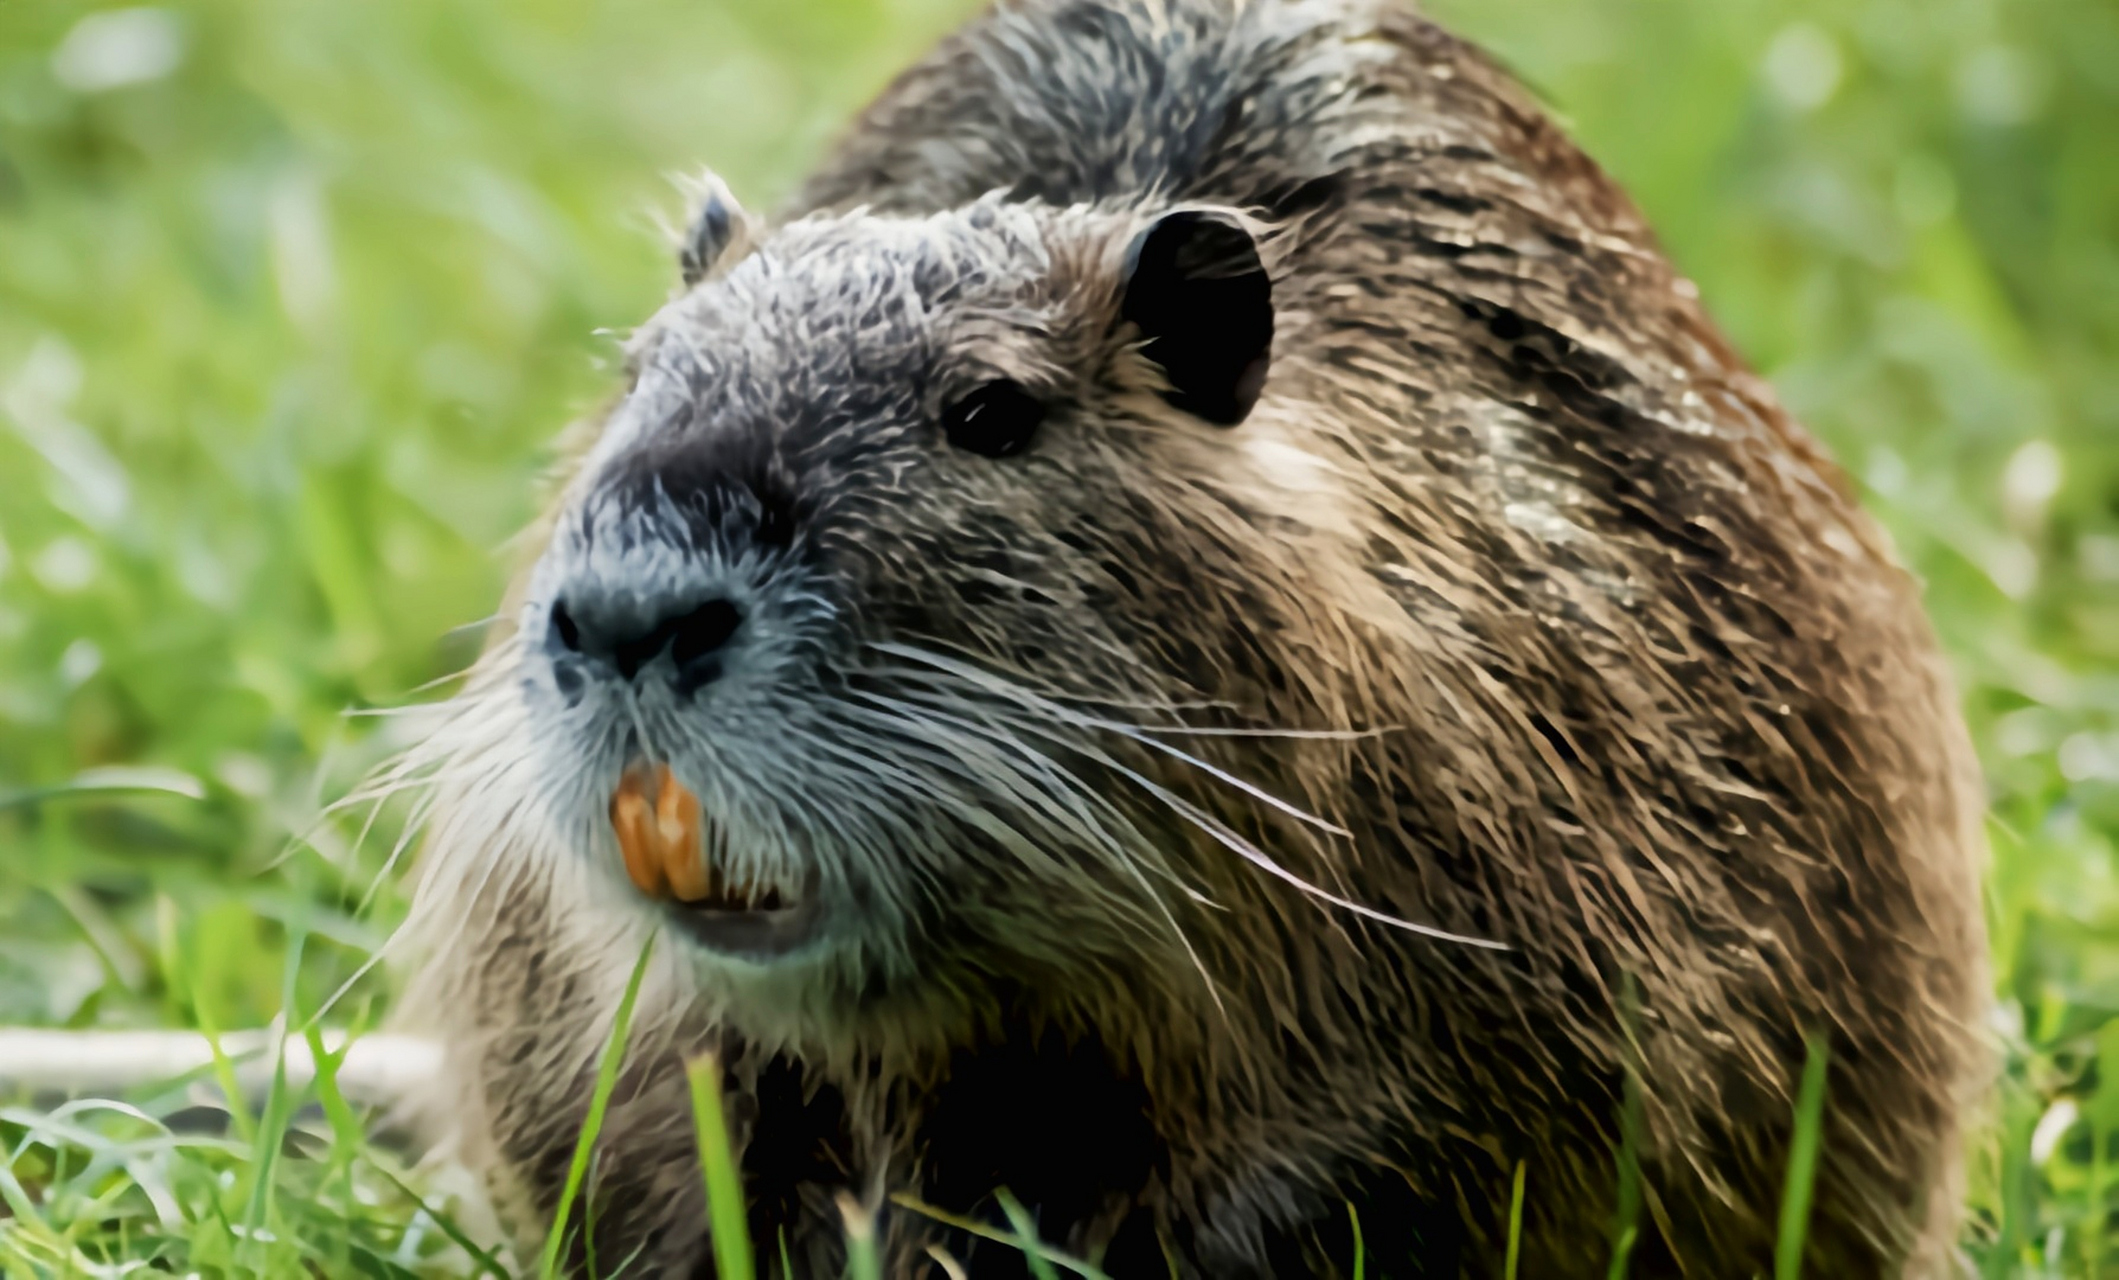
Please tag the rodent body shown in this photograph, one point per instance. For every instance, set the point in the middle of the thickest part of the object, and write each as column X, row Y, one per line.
column 1510, row 607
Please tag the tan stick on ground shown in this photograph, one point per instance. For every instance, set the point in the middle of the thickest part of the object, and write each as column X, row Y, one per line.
column 378, row 1069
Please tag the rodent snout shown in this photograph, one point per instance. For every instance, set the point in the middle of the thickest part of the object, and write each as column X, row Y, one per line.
column 627, row 634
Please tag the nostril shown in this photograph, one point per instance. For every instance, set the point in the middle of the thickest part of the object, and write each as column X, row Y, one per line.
column 703, row 631
column 564, row 626
column 621, row 637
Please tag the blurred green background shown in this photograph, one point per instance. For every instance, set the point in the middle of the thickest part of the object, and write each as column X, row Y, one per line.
column 295, row 294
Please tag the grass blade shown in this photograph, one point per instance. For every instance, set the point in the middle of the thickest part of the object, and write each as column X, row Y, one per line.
column 972, row 1226
column 1026, row 1236
column 717, row 1164
column 1361, row 1252
column 96, row 784
column 278, row 1111
column 606, row 1081
column 1515, row 1224
column 245, row 1125
column 1802, row 1164
column 2093, row 1228
column 864, row 1261
column 484, row 1262
column 346, row 1128
column 1625, row 1222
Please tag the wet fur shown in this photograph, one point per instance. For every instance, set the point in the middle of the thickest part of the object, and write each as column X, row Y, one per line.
column 1536, row 618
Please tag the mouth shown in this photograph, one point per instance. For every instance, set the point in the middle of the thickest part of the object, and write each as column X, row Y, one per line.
column 669, row 844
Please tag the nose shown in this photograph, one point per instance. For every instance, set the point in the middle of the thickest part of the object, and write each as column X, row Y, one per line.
column 628, row 635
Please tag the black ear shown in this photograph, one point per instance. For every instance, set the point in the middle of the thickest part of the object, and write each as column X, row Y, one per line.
column 1198, row 292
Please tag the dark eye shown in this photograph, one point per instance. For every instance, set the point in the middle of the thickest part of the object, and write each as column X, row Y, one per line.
column 997, row 421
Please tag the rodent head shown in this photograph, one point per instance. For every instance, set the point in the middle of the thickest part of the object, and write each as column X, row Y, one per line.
column 903, row 529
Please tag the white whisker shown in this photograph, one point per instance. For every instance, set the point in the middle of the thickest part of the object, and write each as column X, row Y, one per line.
column 1258, row 858
column 1185, row 809
column 1142, row 736
column 1125, row 854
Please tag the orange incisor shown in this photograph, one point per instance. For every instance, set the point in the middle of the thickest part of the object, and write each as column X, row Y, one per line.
column 658, row 826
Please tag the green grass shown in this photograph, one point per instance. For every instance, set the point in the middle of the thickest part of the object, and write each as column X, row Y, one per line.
column 864, row 1258
column 1513, row 1259
column 1802, row 1164
column 717, row 1165
column 607, row 1066
column 1019, row 1233
column 287, row 323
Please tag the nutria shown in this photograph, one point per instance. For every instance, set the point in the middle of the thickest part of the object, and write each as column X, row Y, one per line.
column 1216, row 641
